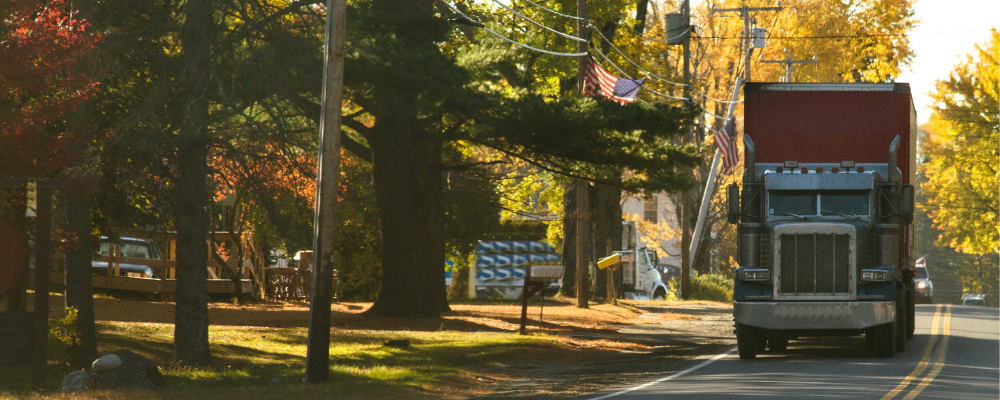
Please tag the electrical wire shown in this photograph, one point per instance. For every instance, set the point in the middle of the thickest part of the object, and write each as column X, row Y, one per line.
column 831, row 36
column 543, row 51
column 536, row 23
column 629, row 77
column 617, row 50
column 554, row 11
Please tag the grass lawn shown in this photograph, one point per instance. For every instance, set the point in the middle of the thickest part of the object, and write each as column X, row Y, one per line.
column 464, row 353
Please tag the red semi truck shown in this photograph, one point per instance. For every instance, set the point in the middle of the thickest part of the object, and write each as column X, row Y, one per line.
column 823, row 216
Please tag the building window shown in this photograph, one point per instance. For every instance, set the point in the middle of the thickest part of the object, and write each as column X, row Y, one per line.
column 650, row 210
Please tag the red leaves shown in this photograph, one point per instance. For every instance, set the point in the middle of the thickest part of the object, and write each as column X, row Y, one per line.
column 40, row 46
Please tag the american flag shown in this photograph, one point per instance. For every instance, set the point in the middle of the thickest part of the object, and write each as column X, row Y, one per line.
column 726, row 140
column 600, row 81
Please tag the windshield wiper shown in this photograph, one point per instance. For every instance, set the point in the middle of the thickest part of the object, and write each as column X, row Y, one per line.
column 850, row 215
column 802, row 217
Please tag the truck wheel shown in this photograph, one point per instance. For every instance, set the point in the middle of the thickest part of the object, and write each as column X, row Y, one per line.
column 885, row 339
column 761, row 340
column 911, row 312
column 900, row 329
column 660, row 294
column 746, row 342
column 777, row 343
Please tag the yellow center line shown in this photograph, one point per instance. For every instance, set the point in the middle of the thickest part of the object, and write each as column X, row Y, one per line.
column 923, row 360
column 939, row 364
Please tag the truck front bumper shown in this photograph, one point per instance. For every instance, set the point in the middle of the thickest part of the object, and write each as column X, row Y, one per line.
column 815, row 315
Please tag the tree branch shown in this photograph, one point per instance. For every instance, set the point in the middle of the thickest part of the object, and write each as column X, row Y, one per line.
column 466, row 167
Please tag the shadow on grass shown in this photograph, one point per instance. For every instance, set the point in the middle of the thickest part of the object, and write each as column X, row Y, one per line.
column 251, row 363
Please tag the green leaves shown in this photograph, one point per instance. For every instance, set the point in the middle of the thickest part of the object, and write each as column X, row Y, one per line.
column 580, row 136
column 962, row 163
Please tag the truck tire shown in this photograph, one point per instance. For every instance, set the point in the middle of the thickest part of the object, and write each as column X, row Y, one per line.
column 900, row 328
column 746, row 341
column 777, row 343
column 660, row 294
column 911, row 309
column 885, row 339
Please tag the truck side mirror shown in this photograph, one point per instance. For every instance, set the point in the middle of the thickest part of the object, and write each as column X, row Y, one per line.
column 906, row 204
column 733, row 200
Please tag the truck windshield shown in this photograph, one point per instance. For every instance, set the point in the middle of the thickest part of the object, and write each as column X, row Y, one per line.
column 835, row 202
column 797, row 202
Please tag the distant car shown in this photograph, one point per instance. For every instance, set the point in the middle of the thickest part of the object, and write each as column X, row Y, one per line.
column 974, row 300
column 925, row 288
column 130, row 248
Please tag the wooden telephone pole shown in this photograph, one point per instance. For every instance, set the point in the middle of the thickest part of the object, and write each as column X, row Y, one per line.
column 328, row 177
column 582, row 187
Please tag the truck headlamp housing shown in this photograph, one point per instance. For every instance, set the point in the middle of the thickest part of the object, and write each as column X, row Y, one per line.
column 874, row 275
column 756, row 275
column 922, row 285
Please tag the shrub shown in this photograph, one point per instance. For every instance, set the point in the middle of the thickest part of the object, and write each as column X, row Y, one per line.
column 713, row 287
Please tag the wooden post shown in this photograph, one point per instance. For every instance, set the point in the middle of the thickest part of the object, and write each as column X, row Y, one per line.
column 328, row 177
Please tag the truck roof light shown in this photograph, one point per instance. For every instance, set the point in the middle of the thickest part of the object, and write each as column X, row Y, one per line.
column 804, row 170
column 819, row 170
column 847, row 164
column 791, row 164
column 861, row 168
column 779, row 169
column 835, row 170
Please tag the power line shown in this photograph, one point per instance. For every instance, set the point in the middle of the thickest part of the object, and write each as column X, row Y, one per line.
column 554, row 11
column 835, row 36
column 536, row 23
column 629, row 77
column 529, row 47
column 617, row 50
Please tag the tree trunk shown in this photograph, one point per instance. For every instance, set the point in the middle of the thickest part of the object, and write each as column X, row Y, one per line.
column 582, row 243
column 568, row 288
column 409, row 193
column 80, row 276
column 77, row 192
column 191, row 212
column 607, row 212
column 642, row 6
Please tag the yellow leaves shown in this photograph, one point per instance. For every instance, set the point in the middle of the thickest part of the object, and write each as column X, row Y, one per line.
column 962, row 164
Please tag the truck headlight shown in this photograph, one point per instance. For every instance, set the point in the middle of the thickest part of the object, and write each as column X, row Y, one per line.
column 922, row 285
column 756, row 275
column 874, row 275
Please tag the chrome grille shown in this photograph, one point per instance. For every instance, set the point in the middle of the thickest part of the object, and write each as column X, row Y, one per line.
column 814, row 263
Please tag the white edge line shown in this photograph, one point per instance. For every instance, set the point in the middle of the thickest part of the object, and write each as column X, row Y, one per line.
column 682, row 373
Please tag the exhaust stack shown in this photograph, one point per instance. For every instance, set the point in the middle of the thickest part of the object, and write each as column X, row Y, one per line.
column 893, row 172
column 750, row 176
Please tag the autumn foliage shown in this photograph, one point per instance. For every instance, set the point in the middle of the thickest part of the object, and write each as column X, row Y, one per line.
column 40, row 45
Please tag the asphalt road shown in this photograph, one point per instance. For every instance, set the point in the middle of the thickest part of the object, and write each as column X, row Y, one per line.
column 954, row 354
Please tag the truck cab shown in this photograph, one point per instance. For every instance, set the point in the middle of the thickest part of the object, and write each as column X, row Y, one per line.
column 823, row 243
column 641, row 278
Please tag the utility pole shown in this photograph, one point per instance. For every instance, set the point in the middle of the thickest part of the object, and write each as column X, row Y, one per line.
column 788, row 61
column 328, row 177
column 686, row 196
column 748, row 46
column 706, row 198
column 582, row 187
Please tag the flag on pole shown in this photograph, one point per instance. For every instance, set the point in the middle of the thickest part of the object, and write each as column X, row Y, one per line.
column 726, row 140
column 599, row 81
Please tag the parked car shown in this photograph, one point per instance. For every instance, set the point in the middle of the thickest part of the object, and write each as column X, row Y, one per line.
column 925, row 288
column 974, row 300
column 130, row 248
